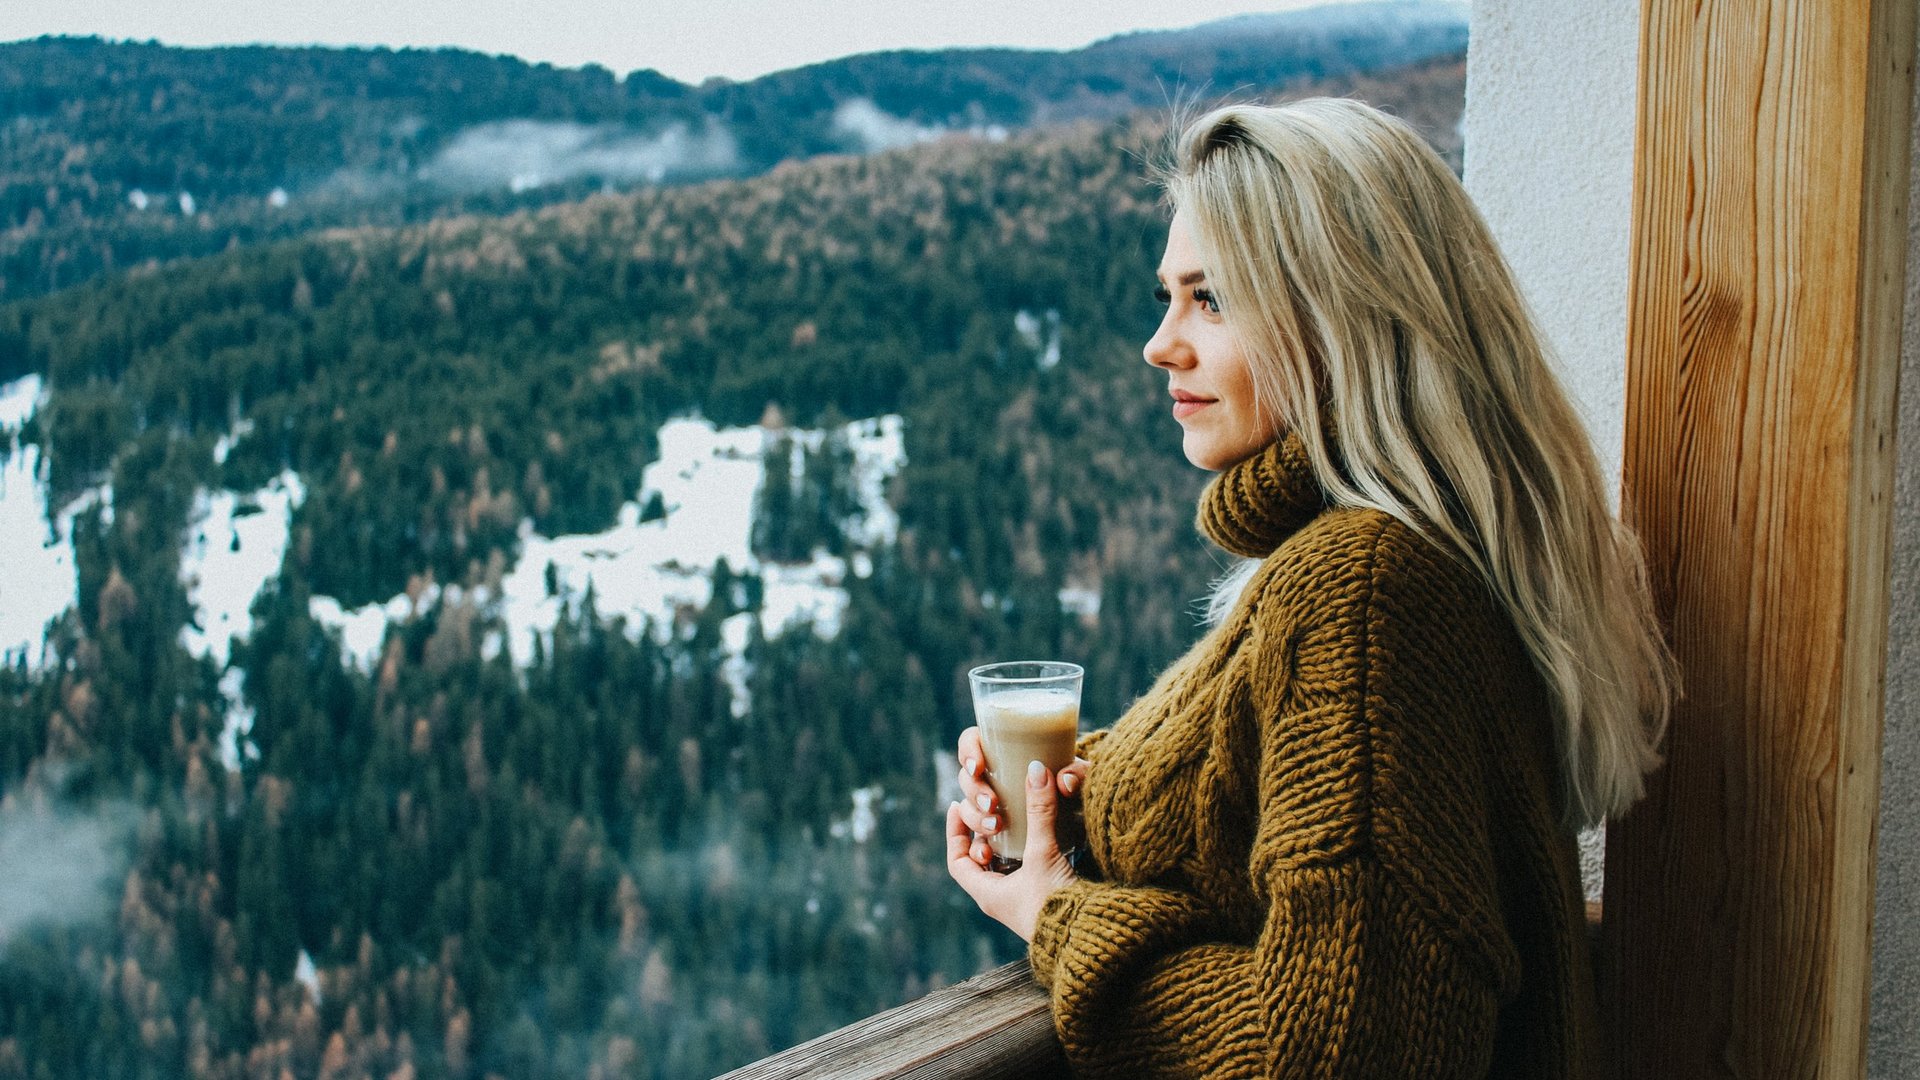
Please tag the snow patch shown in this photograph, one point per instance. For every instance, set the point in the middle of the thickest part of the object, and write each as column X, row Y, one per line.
column 735, row 633
column 860, row 823
column 658, row 573
column 224, row 444
column 811, row 592
column 19, row 400
column 239, row 722
column 363, row 630
column 1041, row 333
column 303, row 970
column 234, row 544
column 946, row 779
column 1080, row 600
column 38, row 581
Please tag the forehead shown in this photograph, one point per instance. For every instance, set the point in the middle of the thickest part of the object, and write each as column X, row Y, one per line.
column 1183, row 254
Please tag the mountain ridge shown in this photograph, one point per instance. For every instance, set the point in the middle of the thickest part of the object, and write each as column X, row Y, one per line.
column 114, row 154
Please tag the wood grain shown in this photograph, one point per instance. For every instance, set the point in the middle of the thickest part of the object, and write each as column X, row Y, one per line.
column 1763, row 343
column 993, row 1026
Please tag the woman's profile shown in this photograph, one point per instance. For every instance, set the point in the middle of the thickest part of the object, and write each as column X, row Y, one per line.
column 1336, row 838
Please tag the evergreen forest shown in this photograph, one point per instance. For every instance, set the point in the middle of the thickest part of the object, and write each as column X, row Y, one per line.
column 123, row 154
column 451, row 864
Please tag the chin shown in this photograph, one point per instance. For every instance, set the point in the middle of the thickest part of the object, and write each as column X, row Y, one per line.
column 1213, row 456
column 1203, row 454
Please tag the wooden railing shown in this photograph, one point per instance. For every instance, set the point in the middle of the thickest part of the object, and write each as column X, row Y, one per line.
column 993, row 1026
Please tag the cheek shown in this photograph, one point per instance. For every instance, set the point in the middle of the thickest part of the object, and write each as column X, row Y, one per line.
column 1240, row 391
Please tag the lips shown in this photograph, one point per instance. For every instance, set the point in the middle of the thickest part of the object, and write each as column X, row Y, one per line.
column 1186, row 404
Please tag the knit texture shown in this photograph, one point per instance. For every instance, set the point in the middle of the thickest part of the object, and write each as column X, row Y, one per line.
column 1326, row 840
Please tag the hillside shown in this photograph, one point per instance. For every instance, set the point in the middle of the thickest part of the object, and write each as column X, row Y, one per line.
column 539, row 824
column 116, row 153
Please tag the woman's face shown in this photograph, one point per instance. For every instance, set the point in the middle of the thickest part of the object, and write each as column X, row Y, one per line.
column 1207, row 371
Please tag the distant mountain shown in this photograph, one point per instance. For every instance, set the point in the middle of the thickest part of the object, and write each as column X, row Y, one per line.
column 113, row 154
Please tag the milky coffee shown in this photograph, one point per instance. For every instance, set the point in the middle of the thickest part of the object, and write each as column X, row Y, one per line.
column 1018, row 726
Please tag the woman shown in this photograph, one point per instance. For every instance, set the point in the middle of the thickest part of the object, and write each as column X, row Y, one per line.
column 1336, row 838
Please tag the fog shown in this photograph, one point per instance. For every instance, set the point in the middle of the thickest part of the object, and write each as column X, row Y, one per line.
column 61, row 867
column 877, row 129
column 524, row 154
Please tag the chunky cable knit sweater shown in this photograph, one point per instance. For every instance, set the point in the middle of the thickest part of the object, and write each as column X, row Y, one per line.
column 1328, row 835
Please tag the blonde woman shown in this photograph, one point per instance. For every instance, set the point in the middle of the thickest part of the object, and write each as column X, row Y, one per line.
column 1337, row 837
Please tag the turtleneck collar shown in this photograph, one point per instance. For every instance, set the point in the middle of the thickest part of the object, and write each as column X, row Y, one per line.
column 1254, row 505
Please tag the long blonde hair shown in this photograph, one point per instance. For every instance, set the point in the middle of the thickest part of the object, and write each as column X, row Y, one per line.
column 1370, row 297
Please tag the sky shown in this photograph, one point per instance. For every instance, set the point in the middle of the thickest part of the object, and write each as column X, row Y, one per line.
column 689, row 40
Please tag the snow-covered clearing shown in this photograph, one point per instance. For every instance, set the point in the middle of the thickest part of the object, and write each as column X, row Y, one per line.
column 234, row 544
column 656, row 573
column 37, row 576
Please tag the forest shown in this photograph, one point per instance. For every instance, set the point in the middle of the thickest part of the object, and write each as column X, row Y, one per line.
column 454, row 864
column 116, row 155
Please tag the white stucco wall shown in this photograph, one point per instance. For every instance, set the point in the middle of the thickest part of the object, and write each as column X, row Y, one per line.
column 1549, row 158
column 1893, row 1044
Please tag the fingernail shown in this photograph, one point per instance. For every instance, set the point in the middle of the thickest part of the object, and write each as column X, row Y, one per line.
column 1036, row 773
column 972, row 763
column 1071, row 783
column 989, row 823
column 985, row 800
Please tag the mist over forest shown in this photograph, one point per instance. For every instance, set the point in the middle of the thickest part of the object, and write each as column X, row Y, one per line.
column 492, row 552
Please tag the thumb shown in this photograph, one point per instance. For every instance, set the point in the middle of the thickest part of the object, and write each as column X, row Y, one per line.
column 1042, row 844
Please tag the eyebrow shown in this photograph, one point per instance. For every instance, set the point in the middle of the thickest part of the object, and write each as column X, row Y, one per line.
column 1191, row 277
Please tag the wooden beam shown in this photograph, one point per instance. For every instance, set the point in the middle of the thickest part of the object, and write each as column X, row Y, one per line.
column 1768, row 252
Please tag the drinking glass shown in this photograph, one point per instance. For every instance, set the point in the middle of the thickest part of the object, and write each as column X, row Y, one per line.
column 1028, row 710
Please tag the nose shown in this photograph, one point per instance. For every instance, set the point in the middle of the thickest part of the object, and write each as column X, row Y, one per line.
column 1166, row 348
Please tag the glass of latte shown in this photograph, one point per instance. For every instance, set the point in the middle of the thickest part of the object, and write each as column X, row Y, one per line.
column 1028, row 710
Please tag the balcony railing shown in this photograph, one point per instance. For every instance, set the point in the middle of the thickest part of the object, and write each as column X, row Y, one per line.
column 996, row 1025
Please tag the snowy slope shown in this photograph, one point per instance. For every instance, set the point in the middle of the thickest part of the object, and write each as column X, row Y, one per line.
column 654, row 572
column 37, row 576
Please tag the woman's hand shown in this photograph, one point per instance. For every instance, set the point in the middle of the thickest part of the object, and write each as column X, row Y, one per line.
column 980, row 808
column 1013, row 899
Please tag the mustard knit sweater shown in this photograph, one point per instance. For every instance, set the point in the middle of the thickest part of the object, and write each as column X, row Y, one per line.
column 1327, row 839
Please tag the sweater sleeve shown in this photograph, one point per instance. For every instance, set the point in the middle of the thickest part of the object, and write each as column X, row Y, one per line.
column 1083, row 746
column 1379, row 950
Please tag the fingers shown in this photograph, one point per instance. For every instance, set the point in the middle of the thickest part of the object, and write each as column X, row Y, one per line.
column 960, row 841
column 966, row 853
column 979, row 811
column 1042, row 845
column 973, row 767
column 1073, row 777
column 983, row 813
column 970, row 746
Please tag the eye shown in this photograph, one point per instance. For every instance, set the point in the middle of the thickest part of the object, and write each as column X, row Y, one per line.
column 1161, row 294
column 1205, row 296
